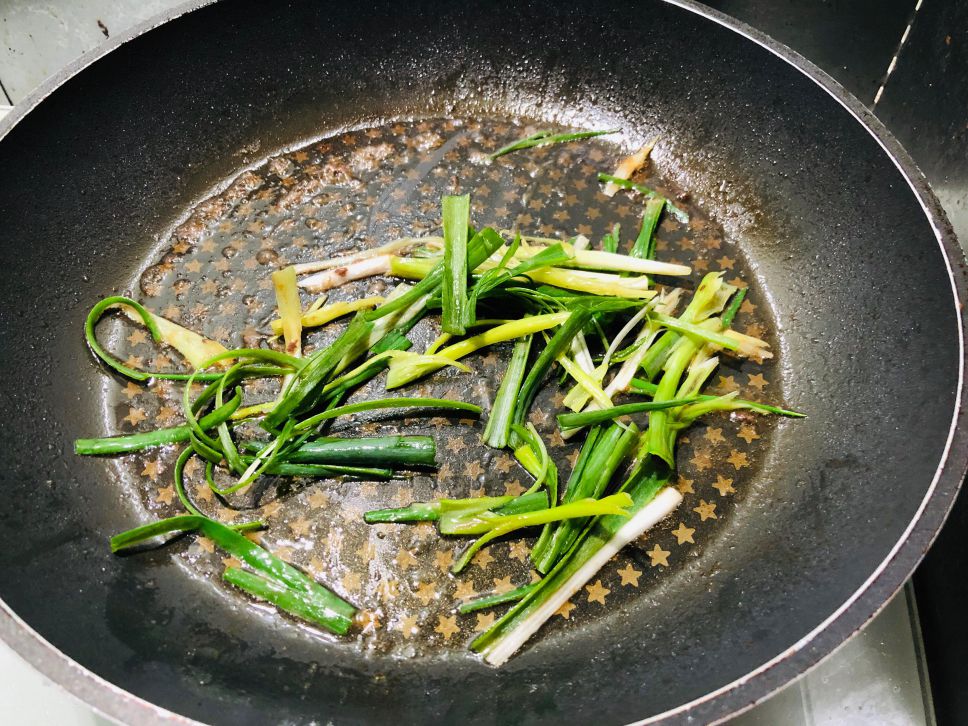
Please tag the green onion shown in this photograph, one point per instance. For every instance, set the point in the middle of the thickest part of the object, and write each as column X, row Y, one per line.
column 499, row 526
column 709, row 298
column 290, row 309
column 492, row 600
column 326, row 470
column 612, row 240
column 320, row 316
column 148, row 319
column 527, row 458
column 660, row 435
column 387, row 451
column 474, row 519
column 734, row 305
column 404, row 371
column 606, row 536
column 649, row 388
column 257, row 465
column 644, row 245
column 336, row 391
column 179, row 476
column 538, row 454
column 379, row 404
column 497, row 276
column 696, row 331
column 302, row 605
column 453, row 291
column 611, row 449
column 678, row 213
column 498, row 427
column 565, row 291
column 158, row 437
column 590, row 418
column 425, row 511
column 453, row 512
column 479, row 248
column 400, row 321
column 333, row 612
column 556, row 346
column 543, row 138
column 229, row 450
column 305, row 388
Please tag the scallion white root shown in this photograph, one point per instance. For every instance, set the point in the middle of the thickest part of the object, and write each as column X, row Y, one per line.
column 612, row 261
column 389, row 248
column 354, row 270
column 665, row 502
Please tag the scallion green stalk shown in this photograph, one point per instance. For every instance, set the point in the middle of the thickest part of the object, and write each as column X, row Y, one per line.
column 606, row 537
column 580, row 509
column 558, row 344
column 498, row 428
column 644, row 245
column 405, row 371
column 453, row 291
column 451, row 512
column 597, row 416
column 489, row 601
column 380, row 404
column 379, row 451
column 332, row 612
column 306, row 387
column 543, row 138
column 610, row 451
column 158, row 437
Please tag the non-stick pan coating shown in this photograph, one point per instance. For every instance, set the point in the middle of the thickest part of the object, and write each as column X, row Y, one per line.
column 844, row 246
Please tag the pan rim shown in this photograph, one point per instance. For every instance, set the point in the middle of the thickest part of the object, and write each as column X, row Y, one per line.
column 743, row 693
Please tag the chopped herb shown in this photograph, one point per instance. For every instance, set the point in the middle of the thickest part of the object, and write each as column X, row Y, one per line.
column 543, row 138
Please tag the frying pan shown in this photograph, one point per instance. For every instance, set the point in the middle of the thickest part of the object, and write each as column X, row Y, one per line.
column 847, row 249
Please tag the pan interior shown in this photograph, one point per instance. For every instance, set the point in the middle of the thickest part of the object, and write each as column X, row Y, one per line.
column 832, row 233
column 368, row 186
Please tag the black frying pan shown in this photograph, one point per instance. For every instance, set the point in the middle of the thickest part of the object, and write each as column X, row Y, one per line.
column 853, row 263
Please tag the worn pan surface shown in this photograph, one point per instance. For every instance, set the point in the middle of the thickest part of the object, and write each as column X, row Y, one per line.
column 192, row 160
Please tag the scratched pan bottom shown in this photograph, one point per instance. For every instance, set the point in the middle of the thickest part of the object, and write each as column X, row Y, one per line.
column 364, row 187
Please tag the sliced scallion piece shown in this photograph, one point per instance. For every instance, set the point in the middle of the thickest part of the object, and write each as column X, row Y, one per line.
column 543, row 138
column 453, row 290
column 158, row 437
column 590, row 418
column 332, row 612
column 490, row 601
column 678, row 213
column 498, row 428
column 578, row 509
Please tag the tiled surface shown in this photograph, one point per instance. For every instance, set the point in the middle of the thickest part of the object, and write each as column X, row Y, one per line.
column 37, row 38
column 874, row 678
